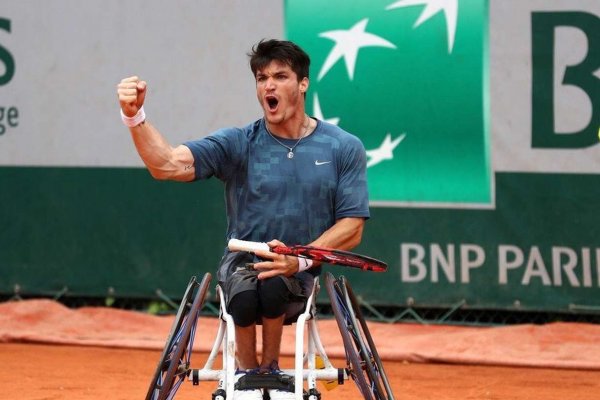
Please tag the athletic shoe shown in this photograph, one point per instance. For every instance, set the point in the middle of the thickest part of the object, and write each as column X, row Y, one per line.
column 251, row 394
column 275, row 394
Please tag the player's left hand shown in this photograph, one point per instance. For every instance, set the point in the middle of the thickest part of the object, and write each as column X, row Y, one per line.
column 279, row 264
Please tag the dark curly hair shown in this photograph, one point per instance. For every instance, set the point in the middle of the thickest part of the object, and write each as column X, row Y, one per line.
column 281, row 50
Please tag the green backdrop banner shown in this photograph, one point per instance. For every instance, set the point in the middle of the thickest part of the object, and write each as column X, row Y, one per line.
column 95, row 230
column 538, row 250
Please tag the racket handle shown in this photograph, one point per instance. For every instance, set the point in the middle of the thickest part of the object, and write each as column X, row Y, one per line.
column 245, row 245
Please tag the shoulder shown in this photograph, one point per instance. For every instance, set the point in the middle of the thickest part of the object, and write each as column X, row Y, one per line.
column 228, row 139
column 225, row 142
column 339, row 137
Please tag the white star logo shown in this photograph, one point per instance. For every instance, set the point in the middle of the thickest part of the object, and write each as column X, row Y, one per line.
column 319, row 114
column 385, row 151
column 432, row 7
column 347, row 44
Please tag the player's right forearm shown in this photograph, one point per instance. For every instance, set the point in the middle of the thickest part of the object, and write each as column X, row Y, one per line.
column 162, row 160
column 154, row 150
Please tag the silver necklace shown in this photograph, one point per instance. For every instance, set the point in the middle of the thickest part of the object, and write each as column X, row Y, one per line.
column 290, row 153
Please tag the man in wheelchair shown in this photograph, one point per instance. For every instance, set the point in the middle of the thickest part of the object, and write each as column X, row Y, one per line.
column 289, row 178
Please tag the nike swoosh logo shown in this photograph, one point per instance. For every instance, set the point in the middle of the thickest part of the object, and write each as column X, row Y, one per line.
column 321, row 162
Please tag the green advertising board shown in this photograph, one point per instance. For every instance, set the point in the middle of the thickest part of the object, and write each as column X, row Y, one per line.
column 410, row 79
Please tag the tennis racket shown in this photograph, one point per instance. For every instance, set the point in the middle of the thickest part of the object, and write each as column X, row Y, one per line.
column 329, row 256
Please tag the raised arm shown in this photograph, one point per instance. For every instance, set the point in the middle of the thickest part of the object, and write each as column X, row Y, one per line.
column 162, row 160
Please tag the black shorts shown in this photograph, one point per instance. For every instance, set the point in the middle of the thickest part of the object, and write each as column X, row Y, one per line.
column 234, row 277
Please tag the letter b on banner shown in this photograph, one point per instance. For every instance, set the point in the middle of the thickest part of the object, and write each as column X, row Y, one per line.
column 543, row 26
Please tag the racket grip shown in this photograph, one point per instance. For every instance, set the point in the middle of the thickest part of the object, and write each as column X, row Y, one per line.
column 245, row 245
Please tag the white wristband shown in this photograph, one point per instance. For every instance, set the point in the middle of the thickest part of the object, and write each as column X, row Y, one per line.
column 304, row 264
column 137, row 119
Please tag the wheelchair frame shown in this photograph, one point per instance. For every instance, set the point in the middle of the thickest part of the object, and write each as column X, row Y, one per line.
column 363, row 363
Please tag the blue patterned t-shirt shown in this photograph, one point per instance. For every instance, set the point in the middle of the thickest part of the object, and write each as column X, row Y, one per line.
column 270, row 196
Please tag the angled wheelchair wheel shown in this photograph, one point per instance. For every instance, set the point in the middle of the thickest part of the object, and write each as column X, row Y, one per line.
column 364, row 364
column 369, row 353
column 173, row 366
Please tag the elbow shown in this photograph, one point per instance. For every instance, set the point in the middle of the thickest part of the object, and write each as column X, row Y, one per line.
column 356, row 238
column 158, row 174
column 172, row 169
column 161, row 171
column 164, row 174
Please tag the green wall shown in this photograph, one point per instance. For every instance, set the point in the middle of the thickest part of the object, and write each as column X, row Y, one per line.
column 94, row 228
column 91, row 229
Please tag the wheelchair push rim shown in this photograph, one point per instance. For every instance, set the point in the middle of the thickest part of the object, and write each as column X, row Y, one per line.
column 173, row 366
column 364, row 364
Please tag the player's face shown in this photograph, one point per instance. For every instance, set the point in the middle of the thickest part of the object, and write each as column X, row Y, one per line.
column 279, row 92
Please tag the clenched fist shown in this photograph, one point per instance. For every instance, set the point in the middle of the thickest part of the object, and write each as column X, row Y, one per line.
column 132, row 92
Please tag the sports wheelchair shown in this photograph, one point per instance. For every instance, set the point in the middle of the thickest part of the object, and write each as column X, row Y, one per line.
column 363, row 364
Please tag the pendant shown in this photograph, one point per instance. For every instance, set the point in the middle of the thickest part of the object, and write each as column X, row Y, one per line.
column 291, row 154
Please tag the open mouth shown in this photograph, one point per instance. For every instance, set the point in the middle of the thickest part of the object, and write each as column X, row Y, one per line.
column 272, row 102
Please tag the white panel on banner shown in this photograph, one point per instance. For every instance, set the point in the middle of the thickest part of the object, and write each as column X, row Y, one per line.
column 68, row 57
column 519, row 33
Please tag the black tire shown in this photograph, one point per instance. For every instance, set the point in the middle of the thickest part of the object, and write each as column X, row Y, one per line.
column 376, row 373
column 364, row 364
column 173, row 366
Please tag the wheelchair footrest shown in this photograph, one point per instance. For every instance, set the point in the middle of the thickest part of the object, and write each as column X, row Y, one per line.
column 266, row 381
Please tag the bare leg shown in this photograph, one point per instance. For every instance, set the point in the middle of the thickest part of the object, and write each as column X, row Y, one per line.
column 272, row 330
column 245, row 341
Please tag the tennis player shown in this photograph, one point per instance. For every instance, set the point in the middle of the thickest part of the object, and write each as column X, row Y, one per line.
column 289, row 179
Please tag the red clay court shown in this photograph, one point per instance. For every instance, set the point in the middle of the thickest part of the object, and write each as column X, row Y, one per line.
column 49, row 351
